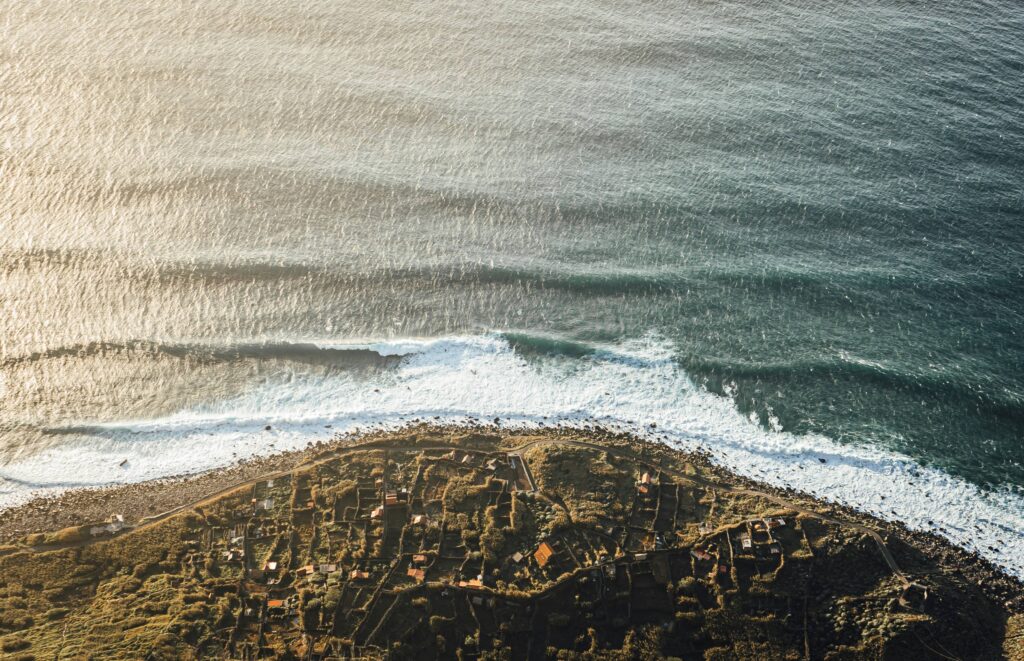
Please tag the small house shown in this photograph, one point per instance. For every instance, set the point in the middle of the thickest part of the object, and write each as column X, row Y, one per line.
column 543, row 553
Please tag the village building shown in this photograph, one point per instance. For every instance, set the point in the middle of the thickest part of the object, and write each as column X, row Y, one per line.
column 543, row 554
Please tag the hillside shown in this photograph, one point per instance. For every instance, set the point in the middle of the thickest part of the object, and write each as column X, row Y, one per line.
column 464, row 544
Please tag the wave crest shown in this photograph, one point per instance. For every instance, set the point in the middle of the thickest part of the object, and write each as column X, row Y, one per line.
column 622, row 387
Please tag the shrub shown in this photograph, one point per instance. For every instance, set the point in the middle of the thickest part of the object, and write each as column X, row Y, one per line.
column 491, row 543
column 68, row 535
column 332, row 599
column 133, row 623
column 56, row 613
column 311, row 614
column 16, row 645
column 193, row 613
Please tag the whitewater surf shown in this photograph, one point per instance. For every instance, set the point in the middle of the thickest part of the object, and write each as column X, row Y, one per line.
column 523, row 381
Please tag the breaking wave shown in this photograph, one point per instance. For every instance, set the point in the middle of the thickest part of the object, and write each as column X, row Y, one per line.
column 526, row 381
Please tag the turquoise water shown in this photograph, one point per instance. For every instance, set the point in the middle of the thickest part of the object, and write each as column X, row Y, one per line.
column 811, row 211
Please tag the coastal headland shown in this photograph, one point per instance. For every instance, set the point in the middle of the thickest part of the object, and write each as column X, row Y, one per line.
column 480, row 542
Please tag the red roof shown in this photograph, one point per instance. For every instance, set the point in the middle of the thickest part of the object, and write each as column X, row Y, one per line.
column 543, row 554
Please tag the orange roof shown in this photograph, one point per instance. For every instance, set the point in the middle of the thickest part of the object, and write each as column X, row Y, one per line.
column 275, row 603
column 418, row 574
column 419, row 557
column 543, row 554
column 355, row 573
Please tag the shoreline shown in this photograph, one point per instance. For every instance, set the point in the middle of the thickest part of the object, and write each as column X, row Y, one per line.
column 137, row 501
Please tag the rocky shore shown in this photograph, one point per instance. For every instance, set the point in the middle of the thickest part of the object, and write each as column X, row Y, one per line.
column 138, row 500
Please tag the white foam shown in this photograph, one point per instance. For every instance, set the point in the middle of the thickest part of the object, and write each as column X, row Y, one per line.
column 627, row 387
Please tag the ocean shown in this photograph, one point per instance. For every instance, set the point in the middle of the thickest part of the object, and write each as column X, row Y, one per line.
column 790, row 234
